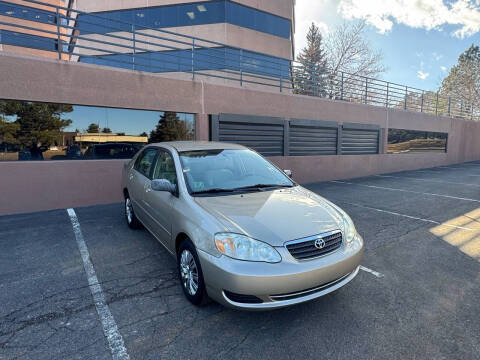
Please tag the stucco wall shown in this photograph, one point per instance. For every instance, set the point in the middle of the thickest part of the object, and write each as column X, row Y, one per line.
column 33, row 186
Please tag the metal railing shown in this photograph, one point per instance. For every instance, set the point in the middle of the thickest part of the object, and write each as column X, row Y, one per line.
column 136, row 47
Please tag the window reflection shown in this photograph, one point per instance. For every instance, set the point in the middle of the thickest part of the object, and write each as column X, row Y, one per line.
column 200, row 13
column 412, row 141
column 46, row 131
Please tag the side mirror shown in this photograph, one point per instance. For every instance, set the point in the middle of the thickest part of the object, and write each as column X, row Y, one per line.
column 163, row 185
column 288, row 173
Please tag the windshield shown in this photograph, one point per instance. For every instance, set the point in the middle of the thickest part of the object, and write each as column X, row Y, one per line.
column 224, row 170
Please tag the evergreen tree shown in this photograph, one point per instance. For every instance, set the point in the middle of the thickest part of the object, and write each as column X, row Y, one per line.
column 93, row 128
column 311, row 77
column 39, row 125
column 169, row 128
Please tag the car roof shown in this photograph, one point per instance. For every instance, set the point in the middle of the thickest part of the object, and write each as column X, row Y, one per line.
column 200, row 145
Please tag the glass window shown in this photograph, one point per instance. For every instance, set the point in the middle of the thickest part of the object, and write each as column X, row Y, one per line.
column 145, row 160
column 47, row 131
column 412, row 141
column 15, row 38
column 165, row 167
column 240, row 15
column 186, row 15
column 27, row 13
column 228, row 169
column 205, row 59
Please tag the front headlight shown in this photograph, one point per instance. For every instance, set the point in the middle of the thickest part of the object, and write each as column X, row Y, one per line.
column 242, row 247
column 348, row 228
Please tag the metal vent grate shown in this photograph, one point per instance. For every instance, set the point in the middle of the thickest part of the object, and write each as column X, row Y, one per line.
column 263, row 134
column 305, row 140
column 360, row 141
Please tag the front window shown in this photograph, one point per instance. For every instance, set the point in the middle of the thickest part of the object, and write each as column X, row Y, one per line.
column 165, row 168
column 225, row 171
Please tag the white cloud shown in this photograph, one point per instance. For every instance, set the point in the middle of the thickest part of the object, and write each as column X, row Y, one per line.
column 443, row 68
column 422, row 75
column 306, row 12
column 426, row 14
column 437, row 56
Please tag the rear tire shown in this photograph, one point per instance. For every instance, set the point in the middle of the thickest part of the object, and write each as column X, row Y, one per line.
column 132, row 220
column 190, row 274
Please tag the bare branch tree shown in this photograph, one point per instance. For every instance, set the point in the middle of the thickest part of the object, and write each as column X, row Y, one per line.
column 348, row 50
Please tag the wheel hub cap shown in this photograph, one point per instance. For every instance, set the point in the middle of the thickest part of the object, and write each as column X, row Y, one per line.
column 129, row 210
column 189, row 272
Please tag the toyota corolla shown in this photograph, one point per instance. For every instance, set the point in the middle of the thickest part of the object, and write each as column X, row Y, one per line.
column 242, row 231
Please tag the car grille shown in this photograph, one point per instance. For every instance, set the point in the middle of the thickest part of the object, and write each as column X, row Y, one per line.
column 304, row 249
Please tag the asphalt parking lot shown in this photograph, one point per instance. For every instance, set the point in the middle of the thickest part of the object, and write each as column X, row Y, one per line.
column 417, row 297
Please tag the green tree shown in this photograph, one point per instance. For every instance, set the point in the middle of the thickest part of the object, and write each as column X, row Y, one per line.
column 106, row 131
column 170, row 128
column 463, row 82
column 8, row 131
column 39, row 125
column 93, row 128
column 311, row 76
column 144, row 134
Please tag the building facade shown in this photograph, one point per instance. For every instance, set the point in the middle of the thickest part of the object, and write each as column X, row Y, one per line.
column 257, row 35
column 31, row 28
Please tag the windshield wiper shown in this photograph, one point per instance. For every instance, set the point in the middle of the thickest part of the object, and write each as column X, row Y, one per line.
column 263, row 186
column 213, row 191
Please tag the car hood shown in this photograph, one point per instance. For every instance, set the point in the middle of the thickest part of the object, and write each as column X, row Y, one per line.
column 274, row 216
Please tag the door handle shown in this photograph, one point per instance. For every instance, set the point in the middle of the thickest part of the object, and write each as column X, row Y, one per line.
column 147, row 188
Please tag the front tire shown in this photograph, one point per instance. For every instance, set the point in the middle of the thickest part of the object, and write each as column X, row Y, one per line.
column 190, row 274
column 132, row 220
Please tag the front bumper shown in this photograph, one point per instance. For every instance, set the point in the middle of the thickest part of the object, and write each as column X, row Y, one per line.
column 282, row 284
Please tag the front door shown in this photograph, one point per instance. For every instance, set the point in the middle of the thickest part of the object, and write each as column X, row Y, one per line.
column 159, row 203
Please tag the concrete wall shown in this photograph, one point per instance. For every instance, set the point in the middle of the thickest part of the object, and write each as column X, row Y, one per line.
column 33, row 186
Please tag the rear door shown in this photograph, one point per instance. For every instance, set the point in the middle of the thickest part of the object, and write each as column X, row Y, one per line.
column 159, row 203
column 139, row 178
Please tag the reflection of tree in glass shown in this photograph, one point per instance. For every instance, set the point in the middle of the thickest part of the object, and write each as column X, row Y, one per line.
column 400, row 141
column 8, row 130
column 170, row 128
column 37, row 125
column 93, row 128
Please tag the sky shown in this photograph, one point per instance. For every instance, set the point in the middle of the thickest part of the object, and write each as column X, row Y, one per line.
column 420, row 39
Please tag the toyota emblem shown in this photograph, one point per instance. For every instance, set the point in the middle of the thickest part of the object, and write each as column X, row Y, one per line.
column 320, row 243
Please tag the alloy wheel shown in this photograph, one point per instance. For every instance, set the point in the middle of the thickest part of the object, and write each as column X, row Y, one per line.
column 189, row 272
column 129, row 210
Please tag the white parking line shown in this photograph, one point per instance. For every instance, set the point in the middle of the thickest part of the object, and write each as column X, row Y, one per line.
column 428, row 180
column 110, row 329
column 373, row 272
column 409, row 216
column 407, row 191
